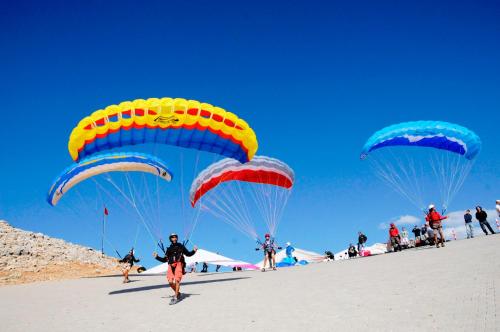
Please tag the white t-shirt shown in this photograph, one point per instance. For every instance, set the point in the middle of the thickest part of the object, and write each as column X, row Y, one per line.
column 498, row 209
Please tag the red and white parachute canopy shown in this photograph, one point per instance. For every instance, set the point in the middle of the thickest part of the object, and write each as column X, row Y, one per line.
column 220, row 191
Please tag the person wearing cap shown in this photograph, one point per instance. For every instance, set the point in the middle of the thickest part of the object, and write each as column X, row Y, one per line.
column 395, row 237
column 127, row 263
column 174, row 256
column 482, row 217
column 468, row 224
column 269, row 248
column 434, row 219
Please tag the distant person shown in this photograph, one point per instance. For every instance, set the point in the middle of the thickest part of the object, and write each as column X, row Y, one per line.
column 424, row 235
column 329, row 256
column 395, row 237
column 204, row 268
column 127, row 263
column 269, row 248
column 217, row 267
column 498, row 207
column 482, row 217
column 352, row 251
column 434, row 218
column 468, row 224
column 361, row 241
column 405, row 241
column 174, row 256
column 416, row 233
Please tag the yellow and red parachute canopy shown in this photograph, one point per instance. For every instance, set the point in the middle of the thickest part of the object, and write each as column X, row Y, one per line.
column 180, row 122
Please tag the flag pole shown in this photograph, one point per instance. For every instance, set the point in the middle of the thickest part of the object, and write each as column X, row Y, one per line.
column 102, row 235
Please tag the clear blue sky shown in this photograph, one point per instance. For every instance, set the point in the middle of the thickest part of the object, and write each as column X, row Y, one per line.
column 314, row 79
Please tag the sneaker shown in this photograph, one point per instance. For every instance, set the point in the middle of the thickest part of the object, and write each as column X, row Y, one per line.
column 173, row 301
column 263, row 270
column 442, row 244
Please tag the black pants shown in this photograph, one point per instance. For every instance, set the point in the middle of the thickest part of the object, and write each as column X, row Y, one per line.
column 484, row 225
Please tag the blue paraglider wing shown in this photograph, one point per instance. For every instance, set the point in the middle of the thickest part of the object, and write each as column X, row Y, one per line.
column 105, row 163
column 433, row 134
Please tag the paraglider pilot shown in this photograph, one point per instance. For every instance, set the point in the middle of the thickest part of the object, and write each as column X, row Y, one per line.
column 127, row 263
column 269, row 248
column 174, row 256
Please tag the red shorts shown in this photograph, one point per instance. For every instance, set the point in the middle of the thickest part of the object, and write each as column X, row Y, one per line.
column 174, row 272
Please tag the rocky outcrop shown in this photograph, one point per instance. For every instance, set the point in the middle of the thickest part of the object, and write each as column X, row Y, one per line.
column 27, row 256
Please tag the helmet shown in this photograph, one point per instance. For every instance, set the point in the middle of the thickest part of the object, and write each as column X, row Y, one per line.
column 431, row 206
column 173, row 235
column 288, row 244
column 392, row 224
column 267, row 235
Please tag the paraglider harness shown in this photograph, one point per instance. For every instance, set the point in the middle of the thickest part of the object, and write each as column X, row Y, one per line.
column 269, row 248
column 178, row 255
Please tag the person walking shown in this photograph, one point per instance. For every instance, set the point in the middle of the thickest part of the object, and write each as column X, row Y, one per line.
column 269, row 248
column 174, row 256
column 127, row 263
column 468, row 224
column 361, row 242
column 482, row 217
column 435, row 219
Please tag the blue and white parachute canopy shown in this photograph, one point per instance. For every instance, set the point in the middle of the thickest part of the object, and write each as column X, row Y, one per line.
column 433, row 134
column 105, row 163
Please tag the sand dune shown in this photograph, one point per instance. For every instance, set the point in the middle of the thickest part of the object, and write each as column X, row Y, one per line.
column 449, row 289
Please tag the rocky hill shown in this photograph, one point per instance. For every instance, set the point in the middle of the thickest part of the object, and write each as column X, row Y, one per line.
column 27, row 257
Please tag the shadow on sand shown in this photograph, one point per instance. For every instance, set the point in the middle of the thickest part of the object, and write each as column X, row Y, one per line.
column 165, row 285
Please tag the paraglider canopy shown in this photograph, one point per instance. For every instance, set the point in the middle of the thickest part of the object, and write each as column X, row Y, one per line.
column 105, row 163
column 420, row 158
column 432, row 134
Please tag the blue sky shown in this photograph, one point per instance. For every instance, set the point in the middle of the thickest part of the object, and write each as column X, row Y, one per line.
column 314, row 80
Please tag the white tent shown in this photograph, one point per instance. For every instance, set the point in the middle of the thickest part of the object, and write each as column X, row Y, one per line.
column 300, row 254
column 207, row 257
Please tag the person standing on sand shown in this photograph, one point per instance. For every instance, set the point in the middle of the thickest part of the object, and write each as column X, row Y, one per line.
column 416, row 232
column 361, row 241
column 468, row 224
column 395, row 237
column 127, row 263
column 174, row 256
column 482, row 217
column 269, row 248
column 434, row 219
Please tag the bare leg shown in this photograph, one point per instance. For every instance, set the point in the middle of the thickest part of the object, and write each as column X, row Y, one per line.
column 265, row 261
column 274, row 261
column 442, row 236
column 177, row 289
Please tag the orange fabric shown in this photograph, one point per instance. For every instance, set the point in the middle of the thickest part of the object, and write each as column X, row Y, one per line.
column 177, row 275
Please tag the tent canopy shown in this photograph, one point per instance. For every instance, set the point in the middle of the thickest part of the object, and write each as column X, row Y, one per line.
column 208, row 257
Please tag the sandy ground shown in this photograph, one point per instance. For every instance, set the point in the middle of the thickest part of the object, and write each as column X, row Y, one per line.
column 69, row 270
column 447, row 289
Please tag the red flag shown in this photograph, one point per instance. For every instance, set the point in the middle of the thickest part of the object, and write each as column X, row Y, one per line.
column 106, row 211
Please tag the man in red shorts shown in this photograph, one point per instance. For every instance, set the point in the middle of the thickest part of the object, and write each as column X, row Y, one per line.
column 174, row 256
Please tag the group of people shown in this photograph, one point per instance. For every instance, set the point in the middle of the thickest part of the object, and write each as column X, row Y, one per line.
column 429, row 233
column 482, row 218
